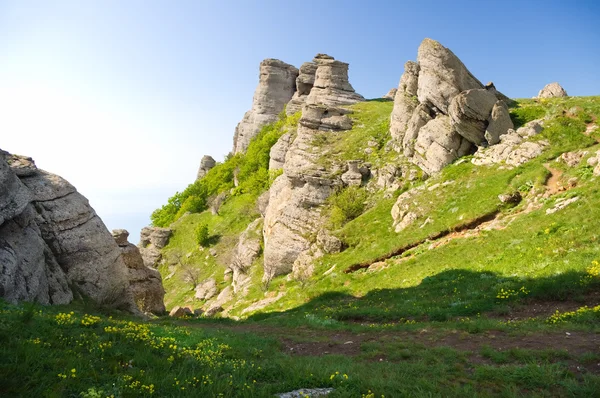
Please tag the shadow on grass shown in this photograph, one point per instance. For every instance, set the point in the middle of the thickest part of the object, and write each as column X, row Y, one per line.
column 440, row 297
column 380, row 100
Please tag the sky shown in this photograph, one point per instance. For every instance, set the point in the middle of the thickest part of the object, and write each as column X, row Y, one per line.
column 123, row 98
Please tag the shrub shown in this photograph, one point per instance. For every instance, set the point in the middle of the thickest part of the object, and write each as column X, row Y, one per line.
column 202, row 236
column 346, row 205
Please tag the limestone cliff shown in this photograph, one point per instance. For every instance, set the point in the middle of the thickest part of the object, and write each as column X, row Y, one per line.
column 53, row 246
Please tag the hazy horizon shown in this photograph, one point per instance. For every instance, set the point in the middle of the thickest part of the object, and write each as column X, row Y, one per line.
column 124, row 99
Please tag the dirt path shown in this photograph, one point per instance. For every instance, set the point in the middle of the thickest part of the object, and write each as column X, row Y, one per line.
column 553, row 185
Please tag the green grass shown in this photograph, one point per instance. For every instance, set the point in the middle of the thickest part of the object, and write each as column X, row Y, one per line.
column 224, row 229
column 63, row 352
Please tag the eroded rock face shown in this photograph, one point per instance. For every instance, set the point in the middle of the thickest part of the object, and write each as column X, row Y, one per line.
column 152, row 239
column 52, row 241
column 296, row 197
column 247, row 250
column 441, row 111
column 304, row 83
column 552, row 90
column 278, row 152
column 145, row 283
column 276, row 86
column 206, row 164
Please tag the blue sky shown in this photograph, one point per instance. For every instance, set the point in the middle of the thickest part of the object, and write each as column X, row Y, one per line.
column 123, row 98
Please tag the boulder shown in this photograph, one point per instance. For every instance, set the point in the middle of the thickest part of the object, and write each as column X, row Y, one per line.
column 276, row 86
column 180, row 312
column 145, row 283
column 405, row 101
column 552, row 90
column 207, row 289
column 352, row 177
column 206, row 164
column 442, row 76
column 471, row 112
column 438, row 145
column 152, row 239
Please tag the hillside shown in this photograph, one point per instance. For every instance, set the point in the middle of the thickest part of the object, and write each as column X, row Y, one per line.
column 470, row 249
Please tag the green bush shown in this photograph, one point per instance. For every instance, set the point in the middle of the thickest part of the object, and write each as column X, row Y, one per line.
column 202, row 235
column 346, row 204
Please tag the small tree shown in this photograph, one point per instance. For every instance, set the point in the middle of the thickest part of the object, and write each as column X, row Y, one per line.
column 191, row 275
column 202, row 236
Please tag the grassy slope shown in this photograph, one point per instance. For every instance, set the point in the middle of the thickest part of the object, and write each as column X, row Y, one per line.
column 492, row 261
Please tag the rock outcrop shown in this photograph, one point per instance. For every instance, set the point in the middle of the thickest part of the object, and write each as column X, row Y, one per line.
column 152, row 239
column 442, row 112
column 53, row 246
column 331, row 86
column 206, row 164
column 552, row 90
column 304, row 83
column 513, row 148
column 207, row 289
column 145, row 283
column 276, row 86
column 296, row 197
column 292, row 216
column 391, row 94
column 246, row 251
column 278, row 152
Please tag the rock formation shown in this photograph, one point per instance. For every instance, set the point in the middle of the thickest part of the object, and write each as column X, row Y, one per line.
column 391, row 94
column 206, row 164
column 53, row 246
column 278, row 152
column 552, row 90
column 304, row 83
column 293, row 212
column 331, row 86
column 513, row 149
column 145, row 283
column 441, row 111
column 246, row 251
column 152, row 239
column 276, row 86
